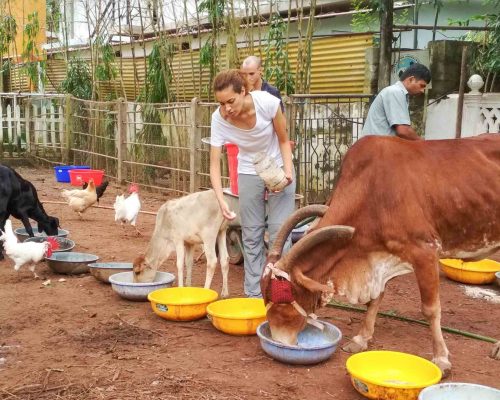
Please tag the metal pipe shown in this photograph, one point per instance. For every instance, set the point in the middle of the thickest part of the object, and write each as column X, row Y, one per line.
column 461, row 90
column 444, row 27
column 415, row 21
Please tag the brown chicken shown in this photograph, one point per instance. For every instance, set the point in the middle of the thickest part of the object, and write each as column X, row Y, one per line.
column 79, row 200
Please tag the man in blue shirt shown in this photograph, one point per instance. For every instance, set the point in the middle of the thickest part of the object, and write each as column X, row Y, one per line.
column 251, row 68
column 389, row 113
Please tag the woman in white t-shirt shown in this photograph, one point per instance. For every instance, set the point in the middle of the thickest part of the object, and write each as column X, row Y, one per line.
column 255, row 123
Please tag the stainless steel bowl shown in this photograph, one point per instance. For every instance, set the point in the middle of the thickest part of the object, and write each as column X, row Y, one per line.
column 22, row 235
column 65, row 244
column 102, row 271
column 71, row 263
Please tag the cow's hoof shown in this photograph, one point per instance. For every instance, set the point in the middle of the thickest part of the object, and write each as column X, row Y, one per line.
column 495, row 351
column 444, row 365
column 354, row 347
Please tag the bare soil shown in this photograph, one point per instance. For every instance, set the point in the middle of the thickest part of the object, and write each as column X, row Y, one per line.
column 76, row 339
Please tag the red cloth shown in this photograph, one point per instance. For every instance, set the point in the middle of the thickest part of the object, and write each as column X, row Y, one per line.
column 281, row 291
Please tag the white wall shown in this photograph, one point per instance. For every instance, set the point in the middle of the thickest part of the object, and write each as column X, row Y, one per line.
column 481, row 114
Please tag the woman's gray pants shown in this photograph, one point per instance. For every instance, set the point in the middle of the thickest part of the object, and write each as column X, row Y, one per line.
column 251, row 190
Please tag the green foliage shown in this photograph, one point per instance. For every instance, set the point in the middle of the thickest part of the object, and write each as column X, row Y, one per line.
column 209, row 53
column 485, row 56
column 54, row 16
column 8, row 31
column 78, row 80
column 214, row 9
column 105, row 69
column 33, row 68
column 277, row 66
column 362, row 21
column 369, row 20
column 159, row 76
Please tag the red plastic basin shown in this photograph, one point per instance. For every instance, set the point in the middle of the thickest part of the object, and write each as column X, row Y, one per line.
column 78, row 176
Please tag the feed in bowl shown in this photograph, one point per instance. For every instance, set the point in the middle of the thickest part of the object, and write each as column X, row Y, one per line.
column 123, row 284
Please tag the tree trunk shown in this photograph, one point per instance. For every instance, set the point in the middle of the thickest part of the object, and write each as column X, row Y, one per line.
column 384, row 67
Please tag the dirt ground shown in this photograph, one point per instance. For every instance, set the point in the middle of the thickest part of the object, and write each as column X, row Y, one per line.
column 76, row 339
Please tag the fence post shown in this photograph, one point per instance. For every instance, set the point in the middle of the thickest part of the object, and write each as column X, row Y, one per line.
column 27, row 124
column 67, row 129
column 121, row 139
column 194, row 144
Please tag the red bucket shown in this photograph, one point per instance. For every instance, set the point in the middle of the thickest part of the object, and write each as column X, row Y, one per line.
column 232, row 162
column 78, row 176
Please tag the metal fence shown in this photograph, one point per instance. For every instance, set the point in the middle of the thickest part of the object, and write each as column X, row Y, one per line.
column 323, row 128
column 160, row 146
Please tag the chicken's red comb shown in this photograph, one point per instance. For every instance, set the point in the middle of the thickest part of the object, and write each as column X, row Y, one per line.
column 53, row 243
column 133, row 188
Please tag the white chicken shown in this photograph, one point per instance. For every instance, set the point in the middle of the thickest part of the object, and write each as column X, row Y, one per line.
column 127, row 209
column 25, row 252
column 81, row 199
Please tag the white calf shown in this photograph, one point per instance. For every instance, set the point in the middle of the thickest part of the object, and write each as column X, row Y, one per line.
column 181, row 224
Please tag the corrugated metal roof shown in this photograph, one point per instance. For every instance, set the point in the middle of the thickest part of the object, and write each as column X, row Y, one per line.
column 337, row 66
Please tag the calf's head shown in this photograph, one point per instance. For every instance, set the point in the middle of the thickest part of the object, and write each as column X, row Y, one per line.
column 49, row 225
column 142, row 271
column 287, row 317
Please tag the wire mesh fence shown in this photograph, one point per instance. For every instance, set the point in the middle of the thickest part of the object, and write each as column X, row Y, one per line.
column 166, row 146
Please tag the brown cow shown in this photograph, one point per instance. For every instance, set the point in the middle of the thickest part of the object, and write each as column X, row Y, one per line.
column 399, row 206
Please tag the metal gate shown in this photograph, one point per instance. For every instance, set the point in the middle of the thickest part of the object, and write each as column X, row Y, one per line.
column 323, row 128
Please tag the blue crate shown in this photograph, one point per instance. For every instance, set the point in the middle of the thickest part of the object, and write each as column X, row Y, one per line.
column 62, row 171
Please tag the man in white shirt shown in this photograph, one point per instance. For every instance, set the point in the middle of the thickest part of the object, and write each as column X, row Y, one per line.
column 389, row 113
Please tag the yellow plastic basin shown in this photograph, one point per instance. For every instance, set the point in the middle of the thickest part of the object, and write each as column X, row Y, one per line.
column 391, row 375
column 182, row 303
column 477, row 272
column 238, row 316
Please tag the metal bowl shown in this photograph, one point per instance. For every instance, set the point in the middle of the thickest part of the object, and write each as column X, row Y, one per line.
column 123, row 284
column 65, row 244
column 102, row 271
column 71, row 263
column 22, row 235
column 459, row 391
column 314, row 345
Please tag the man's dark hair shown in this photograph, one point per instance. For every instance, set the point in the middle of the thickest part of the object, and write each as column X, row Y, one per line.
column 419, row 71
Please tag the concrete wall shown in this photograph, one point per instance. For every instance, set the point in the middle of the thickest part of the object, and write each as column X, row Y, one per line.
column 481, row 114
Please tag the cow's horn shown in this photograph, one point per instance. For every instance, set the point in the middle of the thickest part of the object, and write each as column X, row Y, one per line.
column 334, row 232
column 317, row 210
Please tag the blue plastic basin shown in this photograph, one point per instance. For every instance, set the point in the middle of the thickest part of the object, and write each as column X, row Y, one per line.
column 62, row 171
column 313, row 346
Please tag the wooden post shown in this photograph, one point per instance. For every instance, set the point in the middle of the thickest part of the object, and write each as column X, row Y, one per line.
column 67, row 130
column 461, row 90
column 121, row 139
column 27, row 124
column 52, row 128
column 17, row 132
column 9, row 128
column 384, row 66
column 194, row 144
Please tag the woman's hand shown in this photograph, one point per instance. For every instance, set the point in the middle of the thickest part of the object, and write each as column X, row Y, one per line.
column 226, row 211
